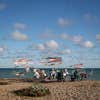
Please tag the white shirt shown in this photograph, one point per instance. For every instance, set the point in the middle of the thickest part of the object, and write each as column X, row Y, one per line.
column 37, row 75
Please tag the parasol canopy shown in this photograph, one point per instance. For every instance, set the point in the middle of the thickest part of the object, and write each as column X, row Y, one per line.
column 77, row 66
column 52, row 61
column 22, row 61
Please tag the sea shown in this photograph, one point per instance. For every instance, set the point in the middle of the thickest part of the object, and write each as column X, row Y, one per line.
column 93, row 73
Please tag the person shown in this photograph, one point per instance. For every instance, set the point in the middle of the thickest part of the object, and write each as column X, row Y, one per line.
column 36, row 74
column 20, row 74
column 59, row 75
column 83, row 74
column 43, row 74
column 65, row 74
column 53, row 74
column 76, row 74
column 27, row 68
column 72, row 76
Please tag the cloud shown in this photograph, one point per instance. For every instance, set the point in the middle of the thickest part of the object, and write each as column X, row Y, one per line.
column 45, row 35
column 97, row 36
column 52, row 35
column 41, row 47
column 90, row 18
column 2, row 6
column 20, row 26
column 66, row 51
column 48, row 34
column 52, row 44
column 64, row 22
column 48, row 45
column 1, row 49
column 87, row 44
column 64, row 36
column 77, row 39
column 19, row 36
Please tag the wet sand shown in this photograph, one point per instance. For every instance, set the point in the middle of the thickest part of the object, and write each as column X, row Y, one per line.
column 81, row 90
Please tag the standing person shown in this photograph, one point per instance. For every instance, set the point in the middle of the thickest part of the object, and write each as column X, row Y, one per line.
column 27, row 68
column 76, row 74
column 83, row 75
column 65, row 74
column 44, row 73
column 59, row 75
column 53, row 74
column 36, row 74
column 73, row 75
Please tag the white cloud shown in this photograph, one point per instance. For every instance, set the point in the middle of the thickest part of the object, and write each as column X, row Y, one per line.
column 52, row 35
column 2, row 6
column 52, row 44
column 40, row 47
column 19, row 36
column 88, row 44
column 66, row 51
column 45, row 35
column 49, row 45
column 77, row 39
column 64, row 22
column 64, row 36
column 48, row 34
column 1, row 49
column 90, row 18
column 97, row 36
column 20, row 26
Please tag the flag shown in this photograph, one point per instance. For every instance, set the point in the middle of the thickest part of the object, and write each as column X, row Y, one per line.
column 77, row 65
column 54, row 59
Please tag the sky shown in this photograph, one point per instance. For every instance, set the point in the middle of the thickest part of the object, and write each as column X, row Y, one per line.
column 36, row 29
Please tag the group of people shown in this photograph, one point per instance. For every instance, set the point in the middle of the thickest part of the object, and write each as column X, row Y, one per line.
column 39, row 73
column 58, row 75
column 78, row 75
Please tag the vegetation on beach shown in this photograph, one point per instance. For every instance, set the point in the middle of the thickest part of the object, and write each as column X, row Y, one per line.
column 36, row 90
column 4, row 83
